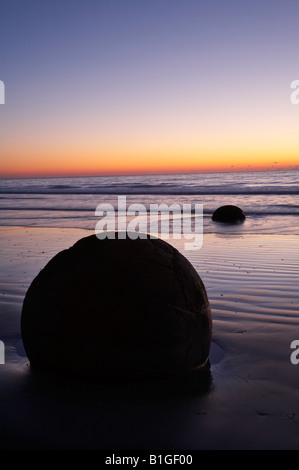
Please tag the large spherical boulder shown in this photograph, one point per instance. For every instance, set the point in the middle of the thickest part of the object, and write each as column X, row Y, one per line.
column 229, row 214
column 117, row 308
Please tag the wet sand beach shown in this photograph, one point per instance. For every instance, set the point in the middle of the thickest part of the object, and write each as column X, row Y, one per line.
column 251, row 402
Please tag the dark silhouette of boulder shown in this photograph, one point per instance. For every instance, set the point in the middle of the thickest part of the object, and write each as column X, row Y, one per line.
column 230, row 214
column 117, row 308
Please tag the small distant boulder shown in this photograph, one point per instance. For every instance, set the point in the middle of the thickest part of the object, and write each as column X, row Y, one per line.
column 117, row 308
column 229, row 214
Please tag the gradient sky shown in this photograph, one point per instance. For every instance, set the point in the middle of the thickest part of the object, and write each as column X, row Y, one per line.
column 147, row 86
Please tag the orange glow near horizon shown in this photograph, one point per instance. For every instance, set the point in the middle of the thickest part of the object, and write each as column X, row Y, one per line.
column 159, row 163
column 152, row 145
column 219, row 146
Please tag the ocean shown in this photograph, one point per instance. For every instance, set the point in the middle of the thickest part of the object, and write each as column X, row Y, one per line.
column 269, row 199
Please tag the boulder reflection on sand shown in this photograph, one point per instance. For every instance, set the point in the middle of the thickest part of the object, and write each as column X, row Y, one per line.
column 117, row 308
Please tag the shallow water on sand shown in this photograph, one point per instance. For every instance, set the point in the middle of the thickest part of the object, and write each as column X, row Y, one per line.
column 270, row 199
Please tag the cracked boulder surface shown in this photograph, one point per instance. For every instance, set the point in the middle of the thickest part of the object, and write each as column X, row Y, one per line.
column 117, row 308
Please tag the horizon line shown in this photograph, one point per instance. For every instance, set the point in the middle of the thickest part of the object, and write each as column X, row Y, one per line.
column 149, row 174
